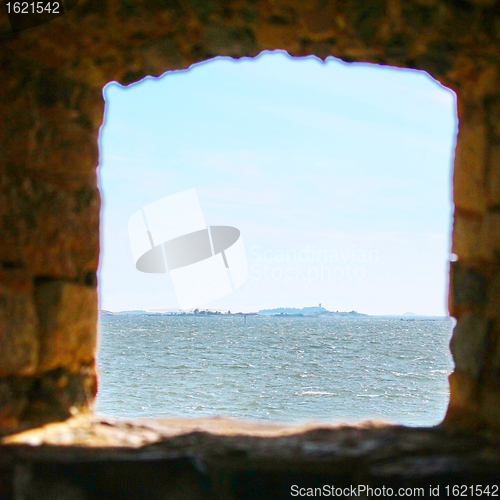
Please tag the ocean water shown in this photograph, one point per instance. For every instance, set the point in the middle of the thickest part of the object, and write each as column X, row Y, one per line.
column 282, row 369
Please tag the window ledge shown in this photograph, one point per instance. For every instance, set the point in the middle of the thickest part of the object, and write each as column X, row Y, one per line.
column 90, row 456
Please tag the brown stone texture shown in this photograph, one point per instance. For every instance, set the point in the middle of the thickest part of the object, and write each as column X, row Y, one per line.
column 19, row 343
column 469, row 190
column 49, row 397
column 51, row 106
column 68, row 316
column 493, row 175
column 463, row 408
column 469, row 344
column 34, row 234
column 90, row 457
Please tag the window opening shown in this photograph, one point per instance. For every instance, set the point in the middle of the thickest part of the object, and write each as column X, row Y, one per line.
column 337, row 179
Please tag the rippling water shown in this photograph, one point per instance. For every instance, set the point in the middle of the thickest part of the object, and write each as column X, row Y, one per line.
column 284, row 369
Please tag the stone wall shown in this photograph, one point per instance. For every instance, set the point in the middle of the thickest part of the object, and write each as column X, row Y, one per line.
column 89, row 458
column 51, row 103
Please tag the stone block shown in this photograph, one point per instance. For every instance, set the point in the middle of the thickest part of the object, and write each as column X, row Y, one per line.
column 26, row 402
column 469, row 343
column 490, row 237
column 479, row 76
column 469, row 193
column 467, row 236
column 68, row 324
column 18, row 333
column 34, row 230
column 476, row 237
column 54, row 117
column 463, row 408
column 490, row 405
column 14, row 398
column 484, row 81
column 493, row 114
column 493, row 298
column 467, row 289
column 14, row 278
column 493, row 177
column 60, row 393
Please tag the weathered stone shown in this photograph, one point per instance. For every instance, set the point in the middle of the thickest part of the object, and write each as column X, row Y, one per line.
column 493, row 176
column 476, row 237
column 53, row 396
column 478, row 77
column 33, row 232
column 469, row 193
column 68, row 319
column 490, row 237
column 489, row 408
column 467, row 289
column 463, row 411
column 90, row 457
column 13, row 399
column 18, row 333
column 493, row 301
column 493, row 374
column 493, row 114
column 51, row 104
column 60, row 393
column 469, row 343
column 467, row 236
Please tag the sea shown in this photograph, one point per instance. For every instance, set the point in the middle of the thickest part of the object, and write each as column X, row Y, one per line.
column 283, row 369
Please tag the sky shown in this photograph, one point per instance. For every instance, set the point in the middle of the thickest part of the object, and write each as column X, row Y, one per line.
column 337, row 175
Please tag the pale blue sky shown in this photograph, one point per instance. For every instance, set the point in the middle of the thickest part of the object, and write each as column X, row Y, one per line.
column 337, row 175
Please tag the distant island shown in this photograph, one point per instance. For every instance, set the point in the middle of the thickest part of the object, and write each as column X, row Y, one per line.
column 280, row 311
column 306, row 311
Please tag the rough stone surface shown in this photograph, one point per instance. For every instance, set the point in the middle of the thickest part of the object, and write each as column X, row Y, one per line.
column 467, row 289
column 35, row 235
column 13, row 400
column 490, row 237
column 68, row 317
column 469, row 343
column 90, row 457
column 464, row 406
column 19, row 343
column 51, row 104
column 493, row 176
column 54, row 396
column 493, row 305
column 469, row 189
column 477, row 237
column 490, row 404
column 467, row 235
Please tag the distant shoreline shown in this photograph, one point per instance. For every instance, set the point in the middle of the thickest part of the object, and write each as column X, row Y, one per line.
column 279, row 312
